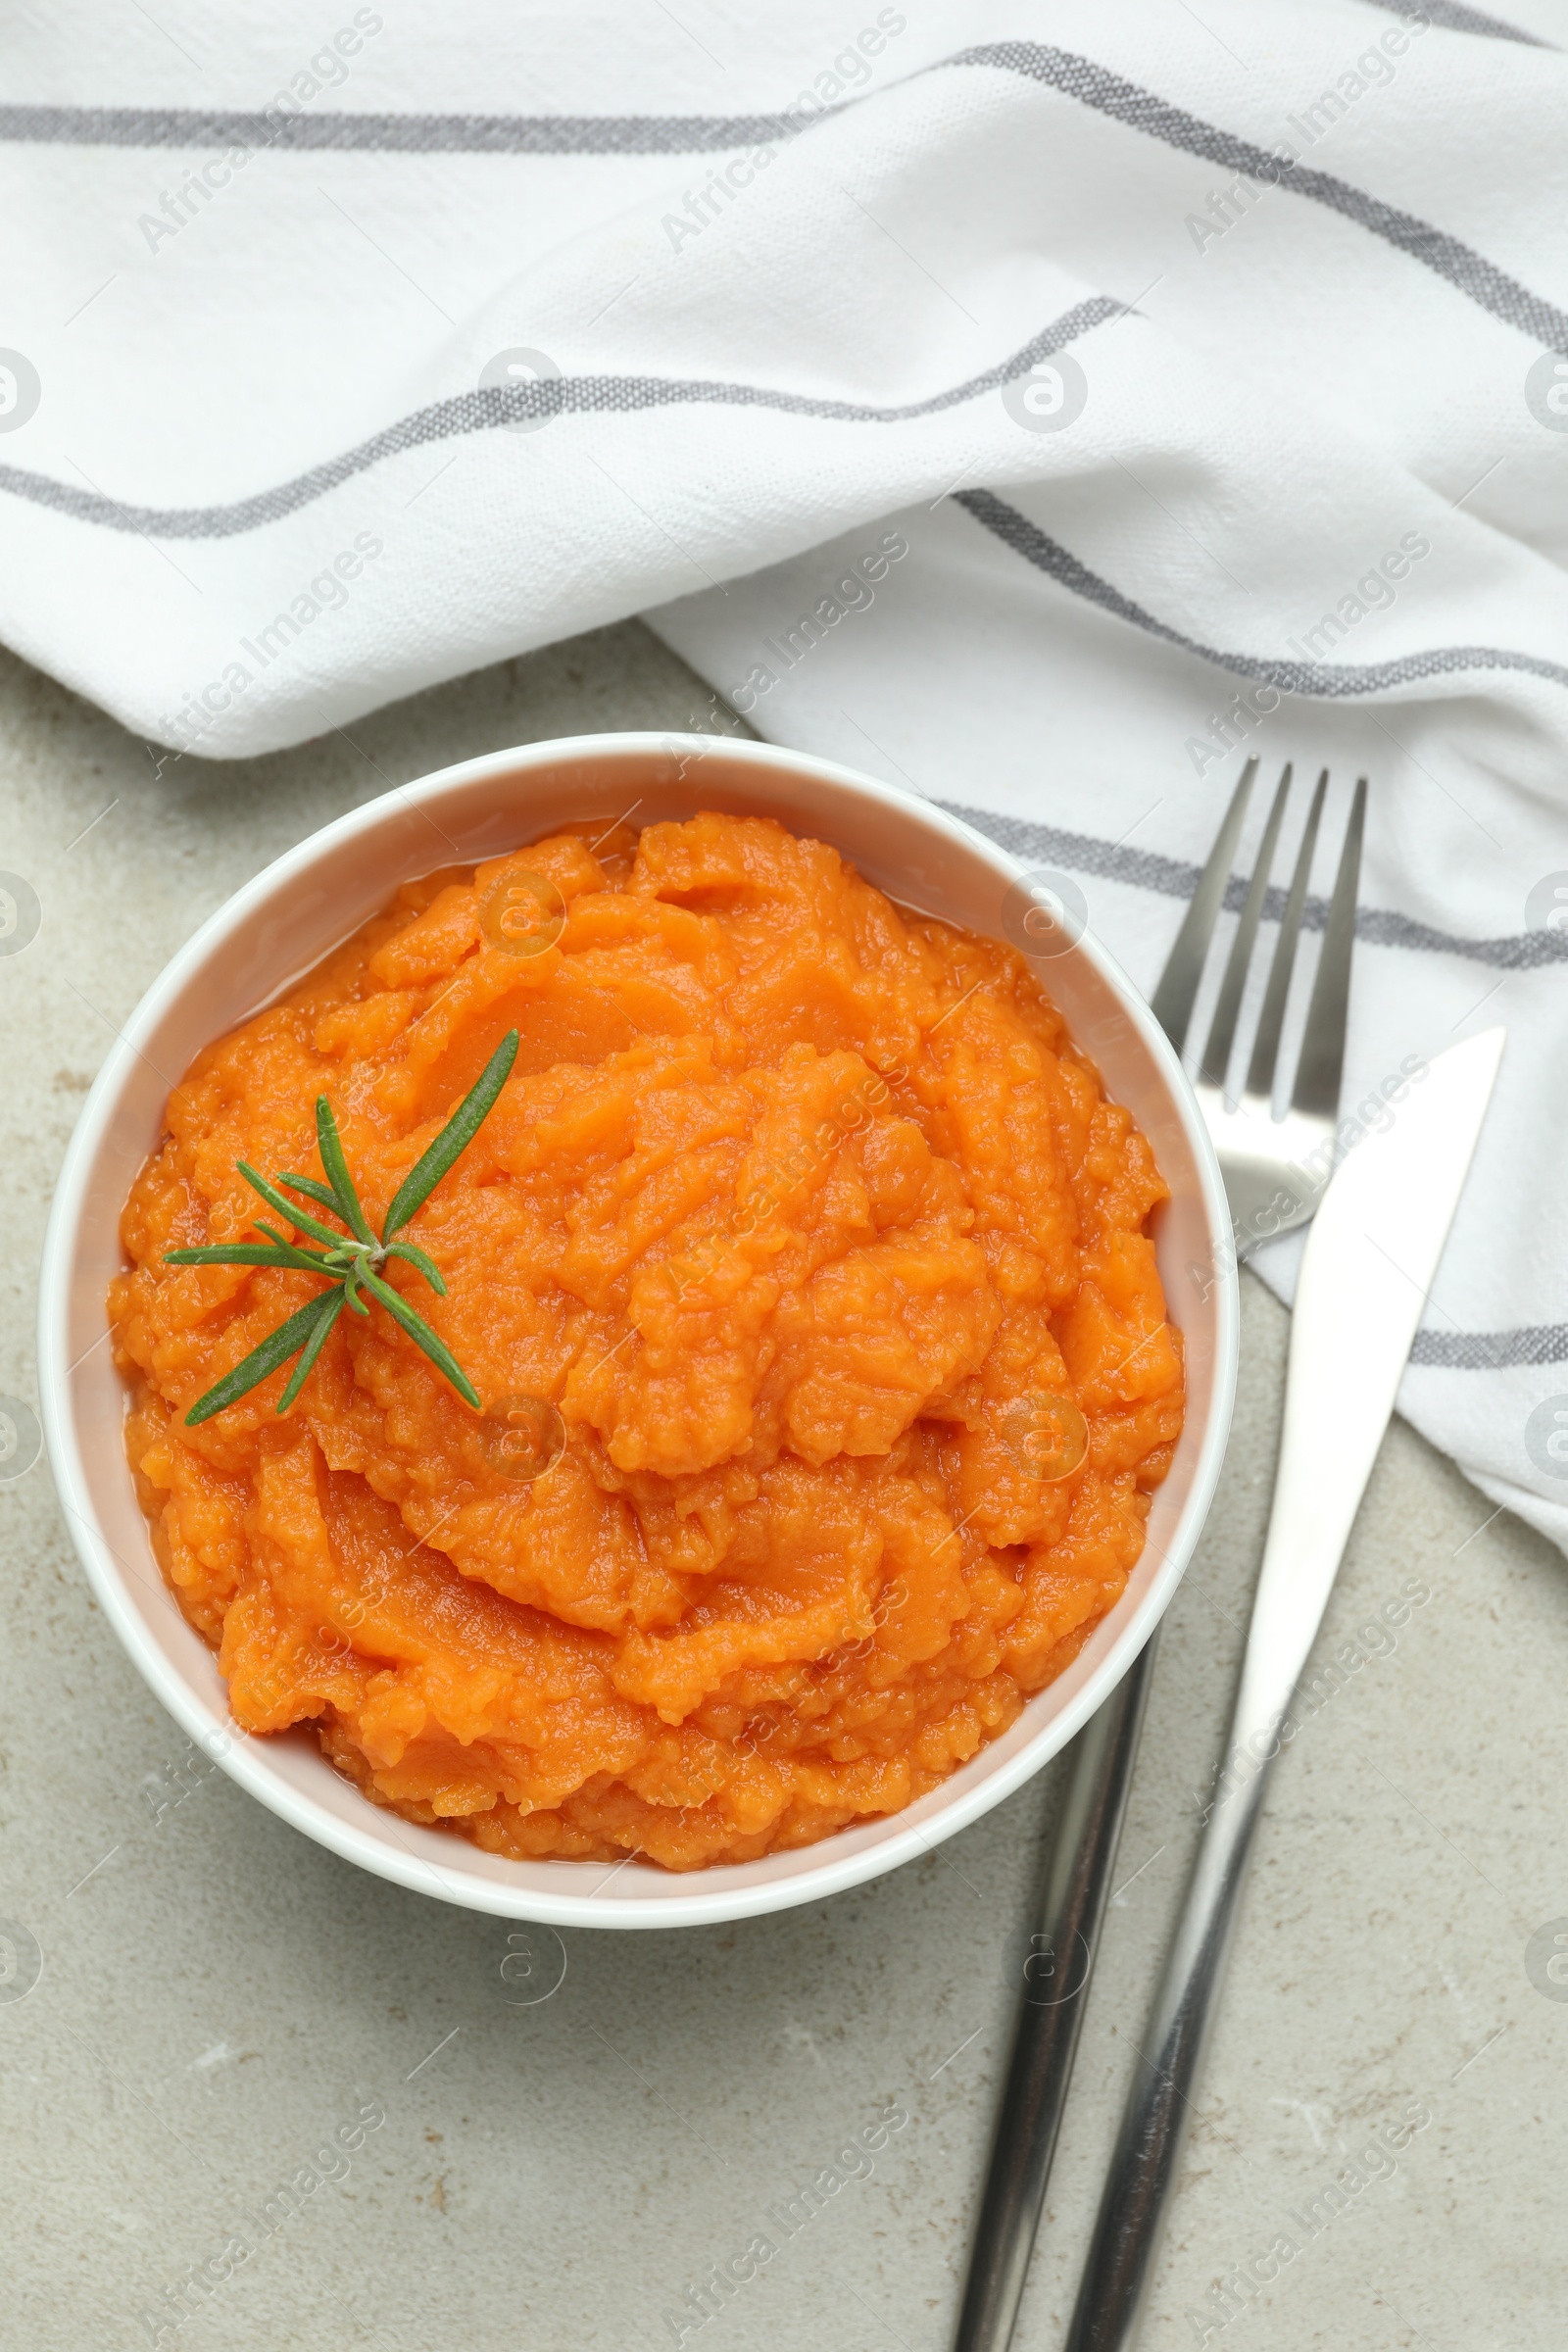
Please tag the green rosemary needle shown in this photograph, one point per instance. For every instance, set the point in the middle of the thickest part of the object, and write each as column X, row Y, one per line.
column 350, row 1262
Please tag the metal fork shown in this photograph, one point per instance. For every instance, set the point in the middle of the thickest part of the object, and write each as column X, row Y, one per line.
column 1275, row 1169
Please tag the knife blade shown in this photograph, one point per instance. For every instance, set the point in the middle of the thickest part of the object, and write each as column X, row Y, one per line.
column 1370, row 1260
column 1371, row 1256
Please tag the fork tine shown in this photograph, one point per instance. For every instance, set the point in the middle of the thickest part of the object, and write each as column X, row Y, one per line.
column 1317, row 1079
column 1271, row 1020
column 1217, row 1054
column 1177, row 993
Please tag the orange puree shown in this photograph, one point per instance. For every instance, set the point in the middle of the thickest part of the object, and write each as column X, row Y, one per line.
column 794, row 1264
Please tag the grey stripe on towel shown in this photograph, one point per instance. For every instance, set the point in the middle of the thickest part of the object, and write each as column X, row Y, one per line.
column 1327, row 680
column 1454, row 19
column 1107, row 93
column 485, row 410
column 1174, row 878
column 1490, row 1351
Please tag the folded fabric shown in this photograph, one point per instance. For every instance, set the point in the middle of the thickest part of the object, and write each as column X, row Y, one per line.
column 1040, row 407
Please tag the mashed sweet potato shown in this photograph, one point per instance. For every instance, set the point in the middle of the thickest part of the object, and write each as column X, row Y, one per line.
column 801, row 1267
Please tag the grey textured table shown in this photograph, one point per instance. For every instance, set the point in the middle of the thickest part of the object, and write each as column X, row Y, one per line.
column 218, row 1996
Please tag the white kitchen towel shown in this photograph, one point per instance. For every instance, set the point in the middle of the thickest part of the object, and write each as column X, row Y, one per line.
column 1043, row 405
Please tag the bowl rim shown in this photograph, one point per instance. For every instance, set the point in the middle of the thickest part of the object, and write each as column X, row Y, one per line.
column 696, row 1898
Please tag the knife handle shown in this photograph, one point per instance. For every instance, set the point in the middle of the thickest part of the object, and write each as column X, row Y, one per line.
column 1160, row 2104
column 1069, row 1910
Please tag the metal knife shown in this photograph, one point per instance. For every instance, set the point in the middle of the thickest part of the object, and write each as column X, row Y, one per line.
column 1371, row 1254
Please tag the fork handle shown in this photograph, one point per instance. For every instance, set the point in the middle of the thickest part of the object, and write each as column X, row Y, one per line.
column 1071, row 1906
column 1143, row 2171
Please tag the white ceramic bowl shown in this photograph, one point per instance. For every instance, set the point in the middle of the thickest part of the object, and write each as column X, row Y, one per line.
column 280, row 925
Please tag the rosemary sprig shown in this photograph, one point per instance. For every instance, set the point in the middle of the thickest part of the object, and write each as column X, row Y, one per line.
column 351, row 1262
